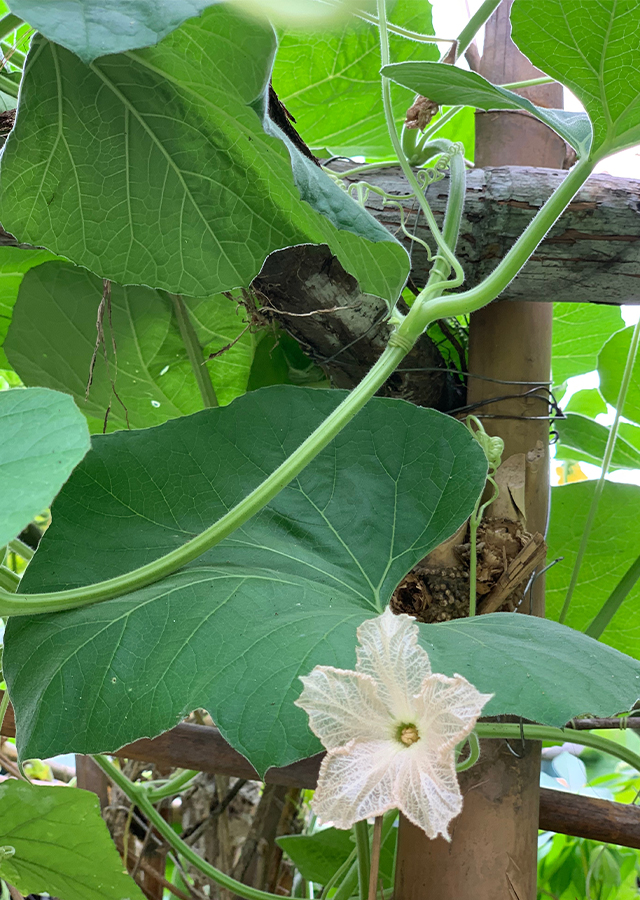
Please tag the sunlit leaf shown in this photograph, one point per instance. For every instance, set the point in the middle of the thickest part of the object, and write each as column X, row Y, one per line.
column 580, row 331
column 149, row 378
column 593, row 49
column 583, row 440
column 61, row 845
column 43, row 436
column 611, row 365
column 612, row 547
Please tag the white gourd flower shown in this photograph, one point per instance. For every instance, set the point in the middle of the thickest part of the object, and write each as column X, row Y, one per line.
column 390, row 729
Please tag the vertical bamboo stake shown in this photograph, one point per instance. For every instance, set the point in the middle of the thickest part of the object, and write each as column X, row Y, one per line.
column 492, row 855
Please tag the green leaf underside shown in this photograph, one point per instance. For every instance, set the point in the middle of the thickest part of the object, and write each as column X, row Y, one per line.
column 612, row 547
column 580, row 330
column 449, row 85
column 43, row 437
column 338, row 72
column 14, row 263
column 583, row 440
column 91, row 28
column 61, row 844
column 593, row 48
column 233, row 632
column 318, row 856
column 152, row 168
column 53, row 336
column 611, row 365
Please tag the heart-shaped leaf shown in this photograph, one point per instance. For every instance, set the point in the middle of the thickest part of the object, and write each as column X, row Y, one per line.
column 60, row 843
column 153, row 167
column 448, row 84
column 593, row 49
column 149, row 377
column 43, row 436
column 233, row 632
column 92, row 28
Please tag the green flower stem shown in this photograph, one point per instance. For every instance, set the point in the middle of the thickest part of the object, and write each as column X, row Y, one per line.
column 479, row 296
column 194, row 351
column 606, row 462
column 4, row 705
column 8, row 24
column 34, row 604
column 614, row 601
column 474, row 25
column 349, row 884
column 361, row 834
column 180, row 781
column 138, row 795
column 511, row 731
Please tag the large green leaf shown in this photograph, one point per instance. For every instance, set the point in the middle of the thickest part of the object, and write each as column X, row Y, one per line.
column 580, row 330
column 588, row 402
column 447, row 84
column 592, row 48
column 61, row 845
column 338, row 72
column 14, row 262
column 613, row 546
column 53, row 337
column 43, row 437
column 611, row 364
column 583, row 440
column 153, row 167
column 92, row 28
column 232, row 632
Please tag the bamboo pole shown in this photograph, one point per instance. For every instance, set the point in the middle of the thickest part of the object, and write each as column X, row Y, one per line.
column 492, row 854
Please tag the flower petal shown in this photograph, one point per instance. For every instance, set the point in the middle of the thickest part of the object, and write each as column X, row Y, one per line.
column 447, row 711
column 343, row 706
column 389, row 653
column 427, row 791
column 357, row 782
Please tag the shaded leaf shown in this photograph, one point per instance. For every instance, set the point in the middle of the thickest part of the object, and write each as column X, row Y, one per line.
column 53, row 336
column 612, row 547
column 232, row 632
column 43, row 437
column 446, row 84
column 611, row 364
column 593, row 49
column 92, row 28
column 338, row 72
column 583, row 440
column 61, row 844
column 153, row 167
column 14, row 263
column 580, row 330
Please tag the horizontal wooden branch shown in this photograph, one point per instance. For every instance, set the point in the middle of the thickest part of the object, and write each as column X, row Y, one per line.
column 200, row 747
column 591, row 255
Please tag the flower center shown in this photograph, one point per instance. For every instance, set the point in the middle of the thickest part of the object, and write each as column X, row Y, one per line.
column 408, row 734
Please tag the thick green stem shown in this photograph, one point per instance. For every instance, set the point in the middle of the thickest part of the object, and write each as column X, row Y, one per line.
column 474, row 25
column 21, row 549
column 138, row 795
column 349, row 884
column 361, row 833
column 606, row 462
column 559, row 735
column 531, row 82
column 4, row 705
column 7, row 86
column 9, row 581
column 615, row 600
column 194, row 352
column 179, row 782
column 477, row 297
column 34, row 604
column 8, row 24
